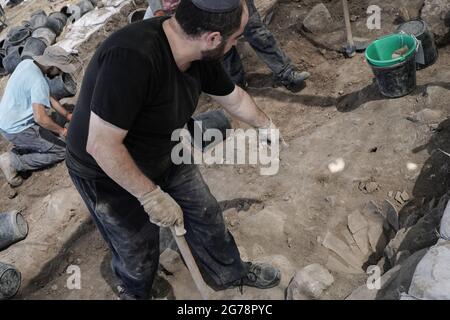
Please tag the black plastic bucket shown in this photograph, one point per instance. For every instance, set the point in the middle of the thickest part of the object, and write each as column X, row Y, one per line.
column 398, row 80
column 63, row 86
column 3, row 72
column 215, row 119
column 60, row 16
column 136, row 15
column 13, row 228
column 38, row 21
column 85, row 6
column 18, row 35
column 12, row 58
column 33, row 47
column 420, row 30
column 56, row 25
column 45, row 34
column 10, row 279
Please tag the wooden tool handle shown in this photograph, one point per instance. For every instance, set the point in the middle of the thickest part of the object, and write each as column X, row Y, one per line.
column 348, row 26
column 192, row 265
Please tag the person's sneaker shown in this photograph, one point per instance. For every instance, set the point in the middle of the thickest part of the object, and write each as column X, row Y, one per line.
column 9, row 172
column 294, row 80
column 260, row 275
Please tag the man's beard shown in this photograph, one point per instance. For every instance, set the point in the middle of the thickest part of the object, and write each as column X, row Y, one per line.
column 215, row 54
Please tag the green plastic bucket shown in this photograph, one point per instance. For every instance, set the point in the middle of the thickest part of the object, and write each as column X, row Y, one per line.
column 379, row 53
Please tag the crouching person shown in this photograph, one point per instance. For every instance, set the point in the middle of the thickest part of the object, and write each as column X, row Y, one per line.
column 37, row 140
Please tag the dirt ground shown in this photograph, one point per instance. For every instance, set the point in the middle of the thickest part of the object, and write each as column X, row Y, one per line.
column 283, row 219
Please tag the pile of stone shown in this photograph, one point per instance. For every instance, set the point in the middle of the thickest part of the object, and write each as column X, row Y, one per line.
column 414, row 262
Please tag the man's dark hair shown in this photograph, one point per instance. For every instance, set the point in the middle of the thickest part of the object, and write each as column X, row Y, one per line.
column 195, row 21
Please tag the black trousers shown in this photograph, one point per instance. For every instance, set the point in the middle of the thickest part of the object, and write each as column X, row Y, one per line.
column 134, row 241
column 263, row 42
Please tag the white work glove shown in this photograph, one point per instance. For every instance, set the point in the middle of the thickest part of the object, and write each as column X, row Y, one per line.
column 269, row 132
column 163, row 210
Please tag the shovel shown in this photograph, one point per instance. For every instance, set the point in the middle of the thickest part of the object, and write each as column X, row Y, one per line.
column 178, row 233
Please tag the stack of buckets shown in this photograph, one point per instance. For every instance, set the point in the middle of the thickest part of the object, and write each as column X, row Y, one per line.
column 396, row 76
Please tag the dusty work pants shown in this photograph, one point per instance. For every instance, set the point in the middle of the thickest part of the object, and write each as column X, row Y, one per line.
column 263, row 42
column 35, row 148
column 134, row 241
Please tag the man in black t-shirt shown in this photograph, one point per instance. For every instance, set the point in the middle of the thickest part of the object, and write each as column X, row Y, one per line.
column 143, row 83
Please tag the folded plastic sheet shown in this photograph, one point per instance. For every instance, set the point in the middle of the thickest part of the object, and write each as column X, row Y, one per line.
column 88, row 24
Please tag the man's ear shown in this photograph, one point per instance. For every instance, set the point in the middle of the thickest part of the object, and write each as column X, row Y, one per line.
column 213, row 40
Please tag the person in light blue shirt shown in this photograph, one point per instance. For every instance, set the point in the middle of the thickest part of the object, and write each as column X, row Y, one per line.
column 24, row 121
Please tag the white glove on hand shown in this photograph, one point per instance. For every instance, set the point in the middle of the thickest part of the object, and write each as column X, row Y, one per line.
column 162, row 209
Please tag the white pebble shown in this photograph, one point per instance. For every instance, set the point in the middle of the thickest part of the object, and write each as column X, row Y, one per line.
column 337, row 165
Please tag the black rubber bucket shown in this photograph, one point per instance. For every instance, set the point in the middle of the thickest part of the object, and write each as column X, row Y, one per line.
column 38, row 21
column 62, row 86
column 10, row 279
column 12, row 58
column 3, row 72
column 85, row 6
column 398, row 80
column 45, row 34
column 420, row 30
column 33, row 47
column 56, row 25
column 60, row 16
column 13, row 228
column 215, row 119
column 136, row 15
column 38, row 13
column 18, row 35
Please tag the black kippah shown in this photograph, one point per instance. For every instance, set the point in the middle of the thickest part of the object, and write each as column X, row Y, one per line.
column 217, row 6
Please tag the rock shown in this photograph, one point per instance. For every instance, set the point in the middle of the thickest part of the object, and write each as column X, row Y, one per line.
column 54, row 287
column 391, row 194
column 401, row 256
column 337, row 166
column 436, row 14
column 12, row 194
column 368, row 187
column 339, row 247
column 337, row 265
column 445, row 223
column 393, row 282
column 362, row 241
column 421, row 235
column 318, row 20
column 352, row 244
column 431, row 280
column 426, row 116
column 391, row 214
column 171, row 261
column 377, row 238
column 356, row 222
column 309, row 283
column 364, row 293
